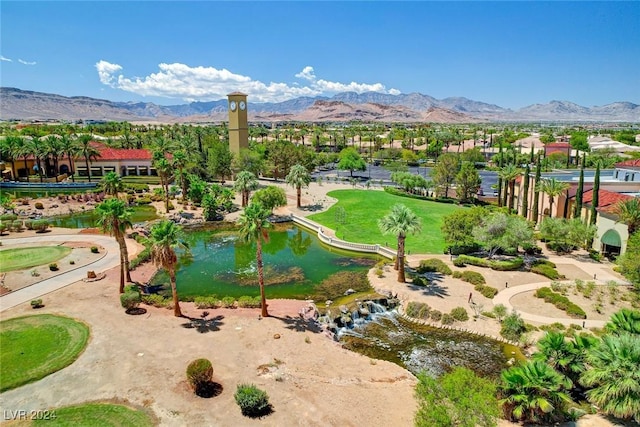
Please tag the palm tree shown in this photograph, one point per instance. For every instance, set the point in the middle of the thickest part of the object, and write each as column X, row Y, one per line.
column 552, row 188
column 11, row 149
column 400, row 221
column 180, row 161
column 614, row 375
column 88, row 151
column 253, row 226
column 165, row 237
column 164, row 168
column 533, row 392
column 53, row 146
column 509, row 174
column 629, row 213
column 114, row 218
column 624, row 320
column 70, row 149
column 112, row 184
column 298, row 177
column 555, row 351
column 244, row 183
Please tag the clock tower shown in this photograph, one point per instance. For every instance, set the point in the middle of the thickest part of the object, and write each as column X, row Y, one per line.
column 238, row 124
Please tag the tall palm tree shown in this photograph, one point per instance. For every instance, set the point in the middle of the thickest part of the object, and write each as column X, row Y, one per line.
column 180, row 161
column 509, row 174
column 244, row 183
column 88, row 151
column 534, row 392
column 552, row 188
column 614, row 375
column 11, row 149
column 115, row 218
column 629, row 213
column 298, row 177
column 253, row 226
column 164, row 168
column 70, row 149
column 112, row 184
column 165, row 238
column 35, row 147
column 400, row 221
column 53, row 147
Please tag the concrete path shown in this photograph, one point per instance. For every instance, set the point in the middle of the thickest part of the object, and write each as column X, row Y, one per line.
column 504, row 296
column 109, row 260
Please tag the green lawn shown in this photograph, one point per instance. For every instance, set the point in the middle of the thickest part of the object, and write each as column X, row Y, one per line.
column 21, row 258
column 96, row 414
column 33, row 347
column 363, row 208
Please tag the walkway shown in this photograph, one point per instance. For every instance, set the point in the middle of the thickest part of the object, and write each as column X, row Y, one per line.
column 109, row 260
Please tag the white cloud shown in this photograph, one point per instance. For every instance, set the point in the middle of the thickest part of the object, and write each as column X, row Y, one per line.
column 2, row 58
column 209, row 83
column 22, row 61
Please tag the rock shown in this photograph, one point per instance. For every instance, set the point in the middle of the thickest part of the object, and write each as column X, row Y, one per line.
column 349, row 292
column 276, row 336
column 91, row 274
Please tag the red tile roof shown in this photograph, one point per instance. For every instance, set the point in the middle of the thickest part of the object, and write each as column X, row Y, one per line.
column 108, row 153
column 557, row 145
column 607, row 200
column 629, row 163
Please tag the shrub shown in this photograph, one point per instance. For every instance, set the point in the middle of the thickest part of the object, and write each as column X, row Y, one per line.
column 561, row 302
column 39, row 205
column 28, row 223
column 447, row 319
column 486, row 291
column 130, row 300
column 144, row 201
column 546, row 271
column 94, row 249
column 436, row 315
column 53, row 266
column 510, row 265
column 459, row 262
column 40, row 225
column 379, row 272
column 228, row 302
column 199, row 374
column 17, row 225
column 418, row 310
column 8, row 217
column 512, row 327
column 155, row 300
column 433, row 265
column 499, row 311
column 248, row 302
column 36, row 303
column 420, row 281
column 472, row 277
column 207, row 302
column 253, row 402
column 459, row 314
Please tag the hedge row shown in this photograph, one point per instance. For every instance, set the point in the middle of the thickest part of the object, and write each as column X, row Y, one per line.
column 401, row 193
column 419, row 310
column 472, row 277
column 432, row 265
column 547, row 271
column 486, row 291
column 561, row 302
column 510, row 265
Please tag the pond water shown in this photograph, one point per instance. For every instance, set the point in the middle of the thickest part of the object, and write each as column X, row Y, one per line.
column 419, row 347
column 295, row 262
column 89, row 219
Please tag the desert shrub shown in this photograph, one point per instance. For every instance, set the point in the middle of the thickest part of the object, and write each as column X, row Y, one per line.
column 459, row 314
column 489, row 314
column 486, row 291
column 3, row 227
column 155, row 300
column 433, row 265
column 8, row 217
column 472, row 277
column 459, row 262
column 53, row 266
column 510, row 265
column 207, row 302
column 228, row 302
column 39, row 205
column 252, row 401
column 420, row 281
column 512, row 327
column 94, row 249
column 171, row 207
column 561, row 302
column 379, row 272
column 546, row 271
column 499, row 312
column 36, row 303
column 28, row 223
column 436, row 315
column 418, row 310
column 144, row 200
column 447, row 319
column 199, row 374
column 40, row 225
column 130, row 300
column 249, row 302
column 17, row 225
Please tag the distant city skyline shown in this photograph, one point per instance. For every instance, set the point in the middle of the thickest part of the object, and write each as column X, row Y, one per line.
column 511, row 54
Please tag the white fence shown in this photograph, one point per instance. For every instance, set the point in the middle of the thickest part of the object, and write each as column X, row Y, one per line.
column 342, row 244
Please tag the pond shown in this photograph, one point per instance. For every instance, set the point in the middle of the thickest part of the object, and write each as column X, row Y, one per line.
column 418, row 347
column 89, row 219
column 295, row 262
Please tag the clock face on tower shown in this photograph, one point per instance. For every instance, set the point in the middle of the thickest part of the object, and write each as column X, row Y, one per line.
column 242, row 105
column 232, row 105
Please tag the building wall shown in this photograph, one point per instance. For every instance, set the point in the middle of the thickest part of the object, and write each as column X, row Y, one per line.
column 605, row 224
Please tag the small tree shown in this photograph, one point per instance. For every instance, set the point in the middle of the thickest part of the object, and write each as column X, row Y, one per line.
column 253, row 402
column 350, row 160
column 199, row 374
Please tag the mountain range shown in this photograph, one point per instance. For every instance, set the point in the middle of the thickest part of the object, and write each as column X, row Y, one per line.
column 17, row 104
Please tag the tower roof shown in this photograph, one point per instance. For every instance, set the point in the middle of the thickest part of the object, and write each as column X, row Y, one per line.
column 237, row 93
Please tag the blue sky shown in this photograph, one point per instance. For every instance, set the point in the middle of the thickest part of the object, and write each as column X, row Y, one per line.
column 512, row 54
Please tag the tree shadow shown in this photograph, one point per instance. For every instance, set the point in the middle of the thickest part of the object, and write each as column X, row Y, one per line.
column 434, row 287
column 312, row 208
column 300, row 324
column 209, row 389
column 268, row 410
column 204, row 325
column 135, row 311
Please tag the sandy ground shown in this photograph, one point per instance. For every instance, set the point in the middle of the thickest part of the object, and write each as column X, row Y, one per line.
column 310, row 379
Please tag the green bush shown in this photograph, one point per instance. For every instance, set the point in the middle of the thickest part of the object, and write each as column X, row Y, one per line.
column 17, row 225
column 510, row 265
column 547, row 271
column 156, row 300
column 512, row 327
column 433, row 265
column 28, row 223
column 249, row 302
column 207, row 302
column 420, row 281
column 40, row 225
column 144, row 200
column 436, row 315
column 36, row 303
column 253, row 402
column 94, row 249
column 8, row 217
column 486, row 291
column 3, row 227
column 459, row 262
column 447, row 319
column 130, row 300
column 459, row 314
column 472, row 277
column 199, row 374
column 53, row 266
column 228, row 302
column 418, row 310
column 561, row 302
column 39, row 205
